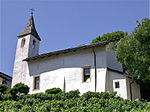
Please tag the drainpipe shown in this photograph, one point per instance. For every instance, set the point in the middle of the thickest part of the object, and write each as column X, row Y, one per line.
column 64, row 88
column 95, row 69
column 131, row 89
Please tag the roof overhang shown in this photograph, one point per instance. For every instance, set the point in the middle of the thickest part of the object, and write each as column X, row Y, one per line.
column 74, row 49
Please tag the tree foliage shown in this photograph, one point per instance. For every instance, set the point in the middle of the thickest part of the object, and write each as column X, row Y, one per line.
column 133, row 51
column 114, row 36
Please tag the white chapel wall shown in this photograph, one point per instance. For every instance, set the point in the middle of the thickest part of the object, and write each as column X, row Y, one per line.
column 22, row 52
column 135, row 89
column 33, row 49
column 117, row 77
column 52, row 71
column 20, row 66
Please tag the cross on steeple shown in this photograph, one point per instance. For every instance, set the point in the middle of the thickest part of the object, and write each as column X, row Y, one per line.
column 32, row 10
column 30, row 28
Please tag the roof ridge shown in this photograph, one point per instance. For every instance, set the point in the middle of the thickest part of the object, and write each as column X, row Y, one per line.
column 64, row 51
column 30, row 29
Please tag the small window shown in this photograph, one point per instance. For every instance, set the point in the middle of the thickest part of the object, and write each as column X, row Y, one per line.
column 22, row 42
column 33, row 44
column 117, row 85
column 37, row 82
column 4, row 82
column 86, row 74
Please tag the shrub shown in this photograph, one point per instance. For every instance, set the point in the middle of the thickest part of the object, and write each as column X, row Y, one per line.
column 112, row 94
column 18, row 90
column 53, row 91
column 5, row 97
column 90, row 94
column 73, row 94
column 3, row 88
column 26, row 109
column 71, row 102
column 104, row 95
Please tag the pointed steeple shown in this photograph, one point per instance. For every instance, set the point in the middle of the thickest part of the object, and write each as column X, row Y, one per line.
column 30, row 28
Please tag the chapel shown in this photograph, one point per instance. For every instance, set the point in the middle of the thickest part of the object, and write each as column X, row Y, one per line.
column 87, row 68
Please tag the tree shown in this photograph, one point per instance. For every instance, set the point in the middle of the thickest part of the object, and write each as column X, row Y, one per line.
column 133, row 51
column 114, row 36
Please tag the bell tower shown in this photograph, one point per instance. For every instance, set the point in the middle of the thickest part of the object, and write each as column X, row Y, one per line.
column 27, row 46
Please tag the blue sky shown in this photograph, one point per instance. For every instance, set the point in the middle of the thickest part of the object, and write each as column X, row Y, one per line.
column 65, row 23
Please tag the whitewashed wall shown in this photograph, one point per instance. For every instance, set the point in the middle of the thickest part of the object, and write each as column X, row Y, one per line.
column 114, row 77
column 124, row 90
column 20, row 66
column 135, row 90
column 54, row 69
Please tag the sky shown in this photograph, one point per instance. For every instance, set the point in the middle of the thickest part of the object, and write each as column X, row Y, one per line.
column 64, row 24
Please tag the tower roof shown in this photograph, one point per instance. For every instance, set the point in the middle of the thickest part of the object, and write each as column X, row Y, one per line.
column 30, row 29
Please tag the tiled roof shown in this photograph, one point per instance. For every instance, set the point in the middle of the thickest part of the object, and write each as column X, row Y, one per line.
column 65, row 51
column 30, row 29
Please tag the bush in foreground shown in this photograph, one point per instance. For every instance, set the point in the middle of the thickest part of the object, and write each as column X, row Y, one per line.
column 19, row 89
column 53, row 91
column 7, row 93
column 3, row 88
column 72, row 102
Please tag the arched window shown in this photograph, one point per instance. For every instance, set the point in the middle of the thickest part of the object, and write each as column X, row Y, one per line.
column 22, row 42
column 33, row 44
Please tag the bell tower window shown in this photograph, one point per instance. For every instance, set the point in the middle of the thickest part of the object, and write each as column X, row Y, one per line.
column 33, row 44
column 22, row 42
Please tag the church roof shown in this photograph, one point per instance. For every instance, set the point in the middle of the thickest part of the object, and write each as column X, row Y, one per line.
column 74, row 49
column 3, row 75
column 30, row 29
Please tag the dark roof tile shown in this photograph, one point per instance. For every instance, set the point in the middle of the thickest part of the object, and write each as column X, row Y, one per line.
column 30, row 29
column 65, row 51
